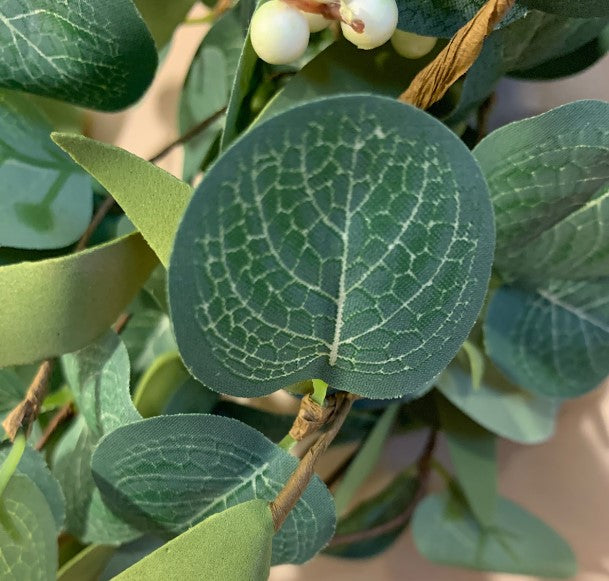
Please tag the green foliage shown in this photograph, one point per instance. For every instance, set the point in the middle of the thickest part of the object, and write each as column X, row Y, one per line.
column 331, row 288
column 237, row 545
column 46, row 201
column 162, row 17
column 579, row 9
column 446, row 532
column 87, row 564
column 76, row 51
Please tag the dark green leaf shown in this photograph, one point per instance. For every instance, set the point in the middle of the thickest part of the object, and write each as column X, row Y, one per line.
column 194, row 398
column 166, row 474
column 129, row 554
column 153, row 199
column 445, row 532
column 94, row 54
column 28, row 547
column 335, row 241
column 208, row 86
column 579, row 9
column 237, row 547
column 45, row 200
column 387, row 506
column 162, row 17
column 499, row 406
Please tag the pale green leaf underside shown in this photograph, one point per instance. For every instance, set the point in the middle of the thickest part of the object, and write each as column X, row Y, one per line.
column 508, row 412
column 553, row 340
column 446, row 533
column 153, row 199
column 87, row 564
column 166, row 474
column 348, row 240
column 443, row 17
column 28, row 547
column 73, row 299
column 233, row 545
column 75, row 51
column 542, row 169
column 45, row 200
column 579, row 9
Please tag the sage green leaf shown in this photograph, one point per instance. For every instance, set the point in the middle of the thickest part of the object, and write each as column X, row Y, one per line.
column 366, row 459
column 166, row 474
column 153, row 199
column 158, row 384
column 97, row 284
column 348, row 240
column 237, row 544
column 98, row 375
column 392, row 504
column 12, row 390
column 579, row 9
column 192, row 397
column 94, row 54
column 443, row 18
column 541, row 172
column 344, row 68
column 45, row 200
column 28, row 547
column 129, row 554
column 499, row 406
column 207, row 87
column 87, row 517
column 552, row 340
column 162, row 17
column 33, row 466
column 473, row 453
column 86, row 565
column 446, row 533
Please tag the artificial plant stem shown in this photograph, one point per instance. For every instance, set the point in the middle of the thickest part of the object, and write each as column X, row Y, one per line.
column 287, row 443
column 12, row 460
column 64, row 414
column 288, row 496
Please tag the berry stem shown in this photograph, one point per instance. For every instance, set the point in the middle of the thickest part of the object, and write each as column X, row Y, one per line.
column 329, row 10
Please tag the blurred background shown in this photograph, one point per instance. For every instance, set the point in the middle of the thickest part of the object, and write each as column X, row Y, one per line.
column 564, row 481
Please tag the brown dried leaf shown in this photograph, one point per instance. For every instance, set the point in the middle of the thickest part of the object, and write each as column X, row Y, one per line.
column 431, row 84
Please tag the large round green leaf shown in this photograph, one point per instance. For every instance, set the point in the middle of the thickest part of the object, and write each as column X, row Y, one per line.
column 166, row 474
column 349, row 239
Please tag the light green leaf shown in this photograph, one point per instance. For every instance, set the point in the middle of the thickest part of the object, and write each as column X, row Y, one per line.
column 237, row 546
column 33, row 466
column 207, row 87
column 443, row 18
column 579, row 9
column 166, row 474
column 98, row 375
column 475, row 362
column 344, row 68
column 445, row 532
column 348, row 239
column 500, row 407
column 549, row 182
column 28, row 548
column 473, row 453
column 94, row 54
column 86, row 565
column 96, row 284
column 45, row 200
column 153, row 199
column 389, row 504
column 87, row 517
column 552, row 340
column 163, row 17
column 363, row 464
column 158, row 384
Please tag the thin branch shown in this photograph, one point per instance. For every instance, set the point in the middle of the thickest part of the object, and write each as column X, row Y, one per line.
column 190, row 134
column 424, row 464
column 288, row 496
column 97, row 219
column 64, row 413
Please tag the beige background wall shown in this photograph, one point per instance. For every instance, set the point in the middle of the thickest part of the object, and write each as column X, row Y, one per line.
column 564, row 481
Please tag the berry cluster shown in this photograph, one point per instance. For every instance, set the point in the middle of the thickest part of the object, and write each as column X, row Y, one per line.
column 280, row 30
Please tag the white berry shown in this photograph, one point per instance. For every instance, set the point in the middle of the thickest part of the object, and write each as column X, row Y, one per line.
column 279, row 33
column 316, row 21
column 412, row 46
column 380, row 17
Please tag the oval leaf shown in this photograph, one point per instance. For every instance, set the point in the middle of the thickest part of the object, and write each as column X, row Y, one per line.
column 348, row 240
column 75, row 51
column 166, row 474
column 233, row 545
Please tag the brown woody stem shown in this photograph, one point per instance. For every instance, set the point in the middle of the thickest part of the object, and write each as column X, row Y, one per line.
column 329, row 10
column 64, row 413
column 288, row 496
